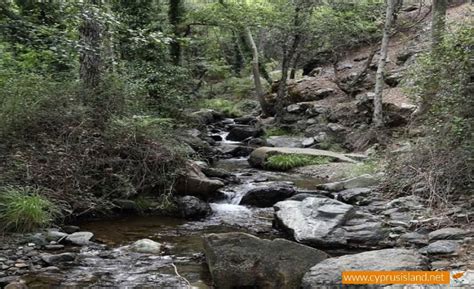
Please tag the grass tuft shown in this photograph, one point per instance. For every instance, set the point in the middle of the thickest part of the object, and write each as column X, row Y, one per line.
column 22, row 209
column 285, row 162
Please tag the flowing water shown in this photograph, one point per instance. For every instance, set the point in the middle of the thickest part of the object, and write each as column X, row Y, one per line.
column 111, row 264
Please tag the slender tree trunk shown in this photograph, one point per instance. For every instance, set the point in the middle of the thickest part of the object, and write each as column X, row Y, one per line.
column 247, row 50
column 175, row 16
column 294, row 67
column 238, row 63
column 256, row 74
column 379, row 80
column 90, row 56
column 438, row 22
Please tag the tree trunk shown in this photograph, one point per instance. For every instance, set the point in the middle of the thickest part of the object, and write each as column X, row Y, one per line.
column 247, row 51
column 90, row 56
column 175, row 16
column 294, row 67
column 379, row 80
column 438, row 22
column 288, row 55
column 266, row 109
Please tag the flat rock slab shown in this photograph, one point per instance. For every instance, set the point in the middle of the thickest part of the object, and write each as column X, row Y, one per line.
column 330, row 270
column 258, row 156
column 447, row 234
column 239, row 260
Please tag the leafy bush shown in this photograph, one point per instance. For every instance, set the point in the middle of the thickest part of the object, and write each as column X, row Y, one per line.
column 24, row 209
column 30, row 101
column 440, row 167
column 341, row 25
column 285, row 162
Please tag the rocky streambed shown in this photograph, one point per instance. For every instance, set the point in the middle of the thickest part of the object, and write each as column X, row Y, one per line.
column 255, row 229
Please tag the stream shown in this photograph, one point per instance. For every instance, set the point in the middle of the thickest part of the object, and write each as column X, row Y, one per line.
column 111, row 264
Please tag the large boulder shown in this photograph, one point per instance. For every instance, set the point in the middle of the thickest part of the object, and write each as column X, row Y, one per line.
column 195, row 183
column 258, row 157
column 239, row 260
column 193, row 208
column 325, row 222
column 315, row 220
column 269, row 195
column 206, row 116
column 330, row 270
column 311, row 89
column 241, row 132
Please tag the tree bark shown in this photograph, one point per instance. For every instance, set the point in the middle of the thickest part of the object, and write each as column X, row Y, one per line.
column 90, row 57
column 266, row 109
column 379, row 80
column 175, row 16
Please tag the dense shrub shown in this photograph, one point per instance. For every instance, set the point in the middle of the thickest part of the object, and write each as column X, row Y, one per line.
column 440, row 167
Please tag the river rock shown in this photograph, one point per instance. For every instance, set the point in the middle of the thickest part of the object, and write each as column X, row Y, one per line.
column 315, row 220
column 239, row 133
column 286, row 141
column 193, row 208
column 447, row 233
column 146, row 246
column 413, row 238
column 80, row 238
column 441, row 247
column 325, row 222
column 239, row 260
column 195, row 183
column 55, row 235
column 362, row 181
column 206, row 116
column 247, row 120
column 51, row 259
column 354, row 196
column 267, row 196
column 330, row 270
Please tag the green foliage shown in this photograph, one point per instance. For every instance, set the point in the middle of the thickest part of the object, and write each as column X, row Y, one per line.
column 449, row 94
column 337, row 26
column 138, row 128
column 285, row 162
column 224, row 106
column 24, row 209
column 30, row 100
column 277, row 131
column 366, row 167
column 440, row 166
